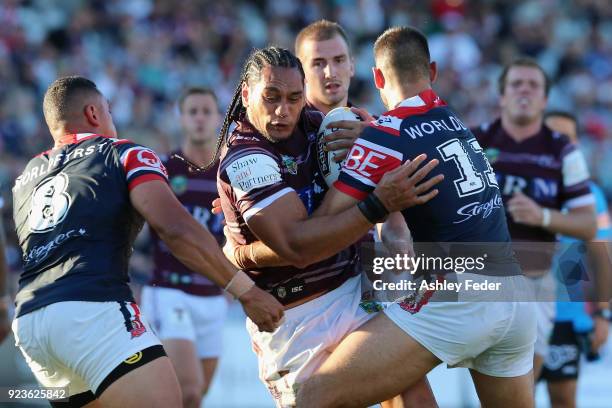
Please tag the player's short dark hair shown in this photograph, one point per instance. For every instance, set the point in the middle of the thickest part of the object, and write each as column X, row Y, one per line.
column 63, row 94
column 195, row 90
column 522, row 62
column 405, row 51
column 320, row 30
column 561, row 114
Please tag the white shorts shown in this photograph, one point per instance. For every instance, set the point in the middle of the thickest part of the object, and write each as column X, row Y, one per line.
column 175, row 314
column 544, row 292
column 77, row 344
column 308, row 335
column 494, row 338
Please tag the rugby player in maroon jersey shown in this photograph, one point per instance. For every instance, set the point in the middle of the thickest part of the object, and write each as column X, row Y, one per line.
column 539, row 172
column 323, row 48
column 268, row 188
column 187, row 309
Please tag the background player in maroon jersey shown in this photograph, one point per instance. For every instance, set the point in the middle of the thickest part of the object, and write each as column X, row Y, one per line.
column 323, row 48
column 538, row 173
column 187, row 309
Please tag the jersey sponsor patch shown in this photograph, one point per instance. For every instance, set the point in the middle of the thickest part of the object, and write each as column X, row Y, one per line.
column 387, row 123
column 367, row 162
column 252, row 171
column 575, row 169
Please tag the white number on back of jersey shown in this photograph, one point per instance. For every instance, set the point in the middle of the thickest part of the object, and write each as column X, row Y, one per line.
column 50, row 203
column 471, row 181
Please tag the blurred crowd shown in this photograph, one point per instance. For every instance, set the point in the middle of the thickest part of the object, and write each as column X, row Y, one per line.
column 141, row 53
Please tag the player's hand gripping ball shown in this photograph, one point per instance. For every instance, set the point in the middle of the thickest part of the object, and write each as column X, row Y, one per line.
column 328, row 167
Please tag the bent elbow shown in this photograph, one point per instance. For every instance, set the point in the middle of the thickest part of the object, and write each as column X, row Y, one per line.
column 296, row 259
column 294, row 256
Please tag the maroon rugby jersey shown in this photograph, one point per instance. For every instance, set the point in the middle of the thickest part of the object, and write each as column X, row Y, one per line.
column 196, row 191
column 255, row 172
column 546, row 167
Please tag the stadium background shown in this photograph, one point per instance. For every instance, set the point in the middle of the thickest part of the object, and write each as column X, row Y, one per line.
column 141, row 53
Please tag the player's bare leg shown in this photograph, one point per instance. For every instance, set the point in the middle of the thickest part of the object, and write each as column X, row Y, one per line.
column 184, row 358
column 510, row 392
column 562, row 393
column 374, row 363
column 153, row 385
column 209, row 366
column 418, row 395
column 538, row 362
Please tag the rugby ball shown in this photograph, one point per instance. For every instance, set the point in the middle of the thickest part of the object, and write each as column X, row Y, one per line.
column 328, row 167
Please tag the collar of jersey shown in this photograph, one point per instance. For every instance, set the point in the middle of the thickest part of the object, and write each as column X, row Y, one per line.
column 426, row 98
column 77, row 138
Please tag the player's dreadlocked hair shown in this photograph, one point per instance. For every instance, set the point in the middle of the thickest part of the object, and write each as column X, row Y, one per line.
column 257, row 60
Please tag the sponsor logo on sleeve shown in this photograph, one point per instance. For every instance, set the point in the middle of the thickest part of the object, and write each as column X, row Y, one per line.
column 367, row 161
column 575, row 169
column 140, row 158
column 253, row 171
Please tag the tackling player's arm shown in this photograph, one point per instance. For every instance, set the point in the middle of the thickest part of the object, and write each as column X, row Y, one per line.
column 284, row 225
column 395, row 235
column 189, row 242
column 197, row 249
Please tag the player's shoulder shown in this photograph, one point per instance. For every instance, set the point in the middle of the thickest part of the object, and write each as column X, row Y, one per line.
column 247, row 148
column 559, row 141
column 312, row 118
column 391, row 121
column 487, row 129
